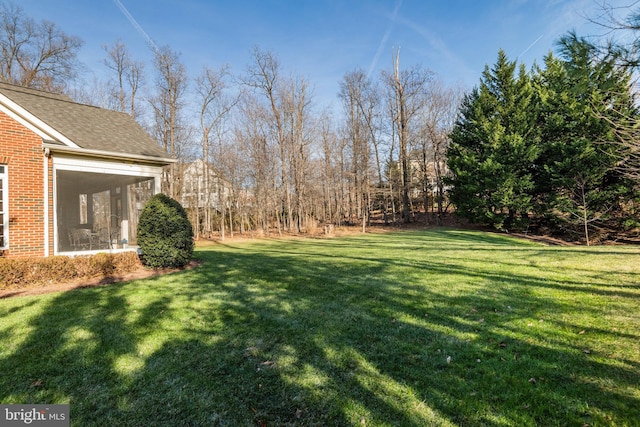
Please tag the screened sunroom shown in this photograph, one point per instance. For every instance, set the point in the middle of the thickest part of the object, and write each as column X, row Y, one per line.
column 98, row 203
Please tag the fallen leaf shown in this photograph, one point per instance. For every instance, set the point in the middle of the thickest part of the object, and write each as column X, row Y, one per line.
column 581, row 332
column 250, row 352
column 298, row 413
column 37, row 383
column 503, row 344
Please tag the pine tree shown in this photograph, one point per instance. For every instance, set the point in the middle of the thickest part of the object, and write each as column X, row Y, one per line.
column 582, row 96
column 494, row 147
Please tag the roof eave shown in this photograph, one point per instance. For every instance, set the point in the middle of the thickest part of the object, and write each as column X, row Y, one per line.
column 110, row 155
column 31, row 122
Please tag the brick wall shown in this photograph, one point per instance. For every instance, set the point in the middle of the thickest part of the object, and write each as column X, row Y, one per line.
column 21, row 151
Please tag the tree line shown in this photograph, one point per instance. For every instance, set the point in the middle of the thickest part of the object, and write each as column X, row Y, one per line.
column 552, row 148
column 268, row 159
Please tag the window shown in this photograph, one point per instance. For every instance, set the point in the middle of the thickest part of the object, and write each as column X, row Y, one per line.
column 4, row 206
column 84, row 208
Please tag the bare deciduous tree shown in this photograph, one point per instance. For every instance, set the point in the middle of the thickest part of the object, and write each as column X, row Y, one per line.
column 167, row 104
column 252, row 139
column 35, row 54
column 408, row 90
column 360, row 102
column 263, row 75
column 622, row 25
column 128, row 76
column 288, row 105
column 438, row 120
column 215, row 105
column 296, row 103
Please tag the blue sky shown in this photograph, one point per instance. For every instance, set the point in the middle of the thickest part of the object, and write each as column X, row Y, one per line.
column 324, row 39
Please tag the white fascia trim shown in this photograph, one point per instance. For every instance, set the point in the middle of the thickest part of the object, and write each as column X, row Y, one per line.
column 104, row 166
column 108, row 154
column 31, row 122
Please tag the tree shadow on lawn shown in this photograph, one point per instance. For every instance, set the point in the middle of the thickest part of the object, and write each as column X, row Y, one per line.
column 587, row 279
column 270, row 337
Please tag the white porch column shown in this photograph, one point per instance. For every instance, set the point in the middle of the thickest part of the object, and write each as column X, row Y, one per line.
column 124, row 225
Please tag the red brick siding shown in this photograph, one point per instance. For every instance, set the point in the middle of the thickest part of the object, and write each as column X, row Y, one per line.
column 21, row 151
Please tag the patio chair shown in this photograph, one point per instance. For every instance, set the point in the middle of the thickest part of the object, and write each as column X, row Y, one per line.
column 73, row 239
column 108, row 237
column 81, row 238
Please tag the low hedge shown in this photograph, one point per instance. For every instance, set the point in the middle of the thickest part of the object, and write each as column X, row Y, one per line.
column 21, row 273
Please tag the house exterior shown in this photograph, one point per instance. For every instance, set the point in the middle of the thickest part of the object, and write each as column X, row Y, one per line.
column 426, row 175
column 73, row 177
column 202, row 187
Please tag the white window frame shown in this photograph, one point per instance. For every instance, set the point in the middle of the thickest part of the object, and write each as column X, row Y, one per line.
column 4, row 182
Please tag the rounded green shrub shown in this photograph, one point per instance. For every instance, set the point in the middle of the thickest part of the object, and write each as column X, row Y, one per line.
column 165, row 235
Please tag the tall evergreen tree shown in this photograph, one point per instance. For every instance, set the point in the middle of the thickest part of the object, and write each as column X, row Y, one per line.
column 494, row 147
column 582, row 96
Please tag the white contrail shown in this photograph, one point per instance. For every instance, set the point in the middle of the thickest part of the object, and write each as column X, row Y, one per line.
column 530, row 46
column 383, row 42
column 137, row 26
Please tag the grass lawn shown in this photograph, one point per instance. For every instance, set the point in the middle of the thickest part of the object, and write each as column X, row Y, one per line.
column 436, row 327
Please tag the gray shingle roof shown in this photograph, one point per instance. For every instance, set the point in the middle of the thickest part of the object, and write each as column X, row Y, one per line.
column 89, row 127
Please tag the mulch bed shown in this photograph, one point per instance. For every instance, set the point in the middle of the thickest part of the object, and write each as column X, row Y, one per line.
column 140, row 273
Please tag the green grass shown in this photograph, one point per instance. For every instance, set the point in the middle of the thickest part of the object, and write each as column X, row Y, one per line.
column 438, row 327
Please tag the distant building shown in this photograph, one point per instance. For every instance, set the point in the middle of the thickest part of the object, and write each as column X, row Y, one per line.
column 425, row 177
column 202, row 187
